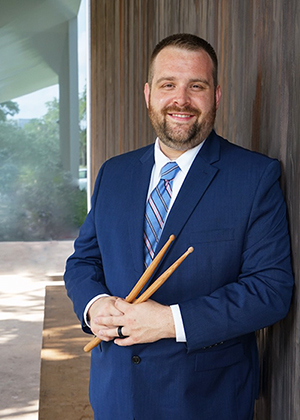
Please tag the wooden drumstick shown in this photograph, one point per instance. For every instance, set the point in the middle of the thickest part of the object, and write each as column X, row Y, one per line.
column 149, row 271
column 138, row 287
column 161, row 279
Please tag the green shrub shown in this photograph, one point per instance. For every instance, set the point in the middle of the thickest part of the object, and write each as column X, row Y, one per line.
column 38, row 200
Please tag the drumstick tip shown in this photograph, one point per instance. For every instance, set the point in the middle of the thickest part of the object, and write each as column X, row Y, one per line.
column 190, row 250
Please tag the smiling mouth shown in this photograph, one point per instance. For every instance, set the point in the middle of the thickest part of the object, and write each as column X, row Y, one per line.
column 181, row 116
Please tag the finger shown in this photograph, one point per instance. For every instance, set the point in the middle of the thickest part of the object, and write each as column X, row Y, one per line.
column 115, row 312
column 121, row 333
column 107, row 334
column 127, row 340
column 124, row 342
column 108, row 321
column 111, row 310
column 96, row 328
column 104, row 306
column 121, row 305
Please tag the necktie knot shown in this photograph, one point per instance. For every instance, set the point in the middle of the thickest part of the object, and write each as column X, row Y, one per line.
column 169, row 171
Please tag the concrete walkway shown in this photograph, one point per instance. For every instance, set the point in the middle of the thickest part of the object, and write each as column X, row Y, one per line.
column 26, row 268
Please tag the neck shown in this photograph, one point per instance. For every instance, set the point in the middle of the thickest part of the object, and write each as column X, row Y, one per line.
column 172, row 154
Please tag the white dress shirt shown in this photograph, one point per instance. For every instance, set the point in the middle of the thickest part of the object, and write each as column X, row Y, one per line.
column 184, row 162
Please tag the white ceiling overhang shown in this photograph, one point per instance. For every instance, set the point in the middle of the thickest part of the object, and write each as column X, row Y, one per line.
column 33, row 37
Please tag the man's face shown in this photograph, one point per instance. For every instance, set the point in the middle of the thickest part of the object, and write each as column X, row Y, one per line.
column 182, row 100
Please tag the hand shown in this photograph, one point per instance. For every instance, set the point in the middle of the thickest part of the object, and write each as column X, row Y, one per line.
column 141, row 323
column 103, row 307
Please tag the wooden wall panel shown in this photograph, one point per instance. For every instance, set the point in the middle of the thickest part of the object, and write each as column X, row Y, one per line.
column 257, row 42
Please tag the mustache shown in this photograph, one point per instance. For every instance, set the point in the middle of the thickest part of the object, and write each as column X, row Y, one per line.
column 174, row 108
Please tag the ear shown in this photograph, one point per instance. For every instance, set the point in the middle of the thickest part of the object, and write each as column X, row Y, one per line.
column 147, row 94
column 218, row 96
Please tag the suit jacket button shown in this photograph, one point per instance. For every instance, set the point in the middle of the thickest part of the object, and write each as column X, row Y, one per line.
column 136, row 360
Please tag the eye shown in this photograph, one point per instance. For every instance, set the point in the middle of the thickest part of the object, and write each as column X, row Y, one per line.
column 197, row 86
column 168, row 85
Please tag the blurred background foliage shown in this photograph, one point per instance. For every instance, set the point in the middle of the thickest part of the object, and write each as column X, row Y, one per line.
column 38, row 200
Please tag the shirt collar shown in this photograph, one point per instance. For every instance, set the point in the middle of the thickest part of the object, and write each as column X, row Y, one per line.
column 184, row 161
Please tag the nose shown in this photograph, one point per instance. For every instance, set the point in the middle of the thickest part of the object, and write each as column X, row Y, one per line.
column 182, row 97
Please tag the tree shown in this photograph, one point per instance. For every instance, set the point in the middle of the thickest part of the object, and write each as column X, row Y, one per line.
column 8, row 108
column 38, row 200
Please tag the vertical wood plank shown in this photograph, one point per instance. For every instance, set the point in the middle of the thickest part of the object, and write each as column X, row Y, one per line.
column 257, row 42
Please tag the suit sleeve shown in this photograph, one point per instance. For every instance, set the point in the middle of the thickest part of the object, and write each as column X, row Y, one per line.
column 262, row 293
column 84, row 275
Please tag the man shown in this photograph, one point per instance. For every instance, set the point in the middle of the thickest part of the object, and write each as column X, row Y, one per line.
column 189, row 352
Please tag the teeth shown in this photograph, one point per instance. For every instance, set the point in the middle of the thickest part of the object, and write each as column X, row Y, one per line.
column 180, row 115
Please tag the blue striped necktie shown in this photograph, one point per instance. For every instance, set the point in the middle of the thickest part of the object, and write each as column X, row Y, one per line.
column 157, row 209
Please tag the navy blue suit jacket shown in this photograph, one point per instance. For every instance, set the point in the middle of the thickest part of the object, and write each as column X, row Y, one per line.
column 238, row 280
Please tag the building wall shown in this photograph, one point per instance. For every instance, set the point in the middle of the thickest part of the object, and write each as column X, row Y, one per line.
column 257, row 42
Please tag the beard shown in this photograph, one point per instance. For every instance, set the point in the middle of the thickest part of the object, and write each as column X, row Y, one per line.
column 179, row 137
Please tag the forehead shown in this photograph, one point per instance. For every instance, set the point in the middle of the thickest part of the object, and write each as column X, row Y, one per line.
column 179, row 62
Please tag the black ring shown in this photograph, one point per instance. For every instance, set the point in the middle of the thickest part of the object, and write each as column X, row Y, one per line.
column 120, row 333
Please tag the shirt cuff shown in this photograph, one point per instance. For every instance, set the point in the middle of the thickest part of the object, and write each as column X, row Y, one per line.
column 88, row 307
column 179, row 328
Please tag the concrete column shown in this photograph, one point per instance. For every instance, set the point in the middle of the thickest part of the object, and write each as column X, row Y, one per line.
column 69, row 106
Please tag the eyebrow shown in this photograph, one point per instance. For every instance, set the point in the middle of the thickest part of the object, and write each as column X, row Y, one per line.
column 171, row 79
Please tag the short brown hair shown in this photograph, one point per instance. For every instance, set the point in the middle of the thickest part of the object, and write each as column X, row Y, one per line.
column 187, row 42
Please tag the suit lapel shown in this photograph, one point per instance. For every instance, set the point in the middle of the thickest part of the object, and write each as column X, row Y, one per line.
column 198, row 179
column 140, row 178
